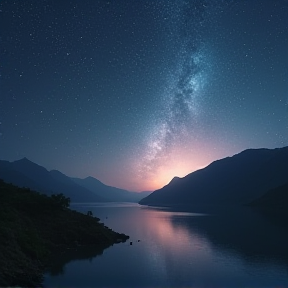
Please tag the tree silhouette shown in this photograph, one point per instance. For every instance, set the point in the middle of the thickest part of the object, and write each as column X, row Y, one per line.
column 89, row 213
column 61, row 200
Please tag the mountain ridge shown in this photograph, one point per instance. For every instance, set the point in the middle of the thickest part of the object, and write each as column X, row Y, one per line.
column 25, row 173
column 111, row 193
column 234, row 180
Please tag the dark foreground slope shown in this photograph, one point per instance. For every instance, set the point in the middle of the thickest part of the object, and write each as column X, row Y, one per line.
column 232, row 180
column 35, row 226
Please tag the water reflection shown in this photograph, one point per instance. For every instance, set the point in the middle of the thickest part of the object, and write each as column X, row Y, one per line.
column 58, row 261
column 246, row 232
column 177, row 249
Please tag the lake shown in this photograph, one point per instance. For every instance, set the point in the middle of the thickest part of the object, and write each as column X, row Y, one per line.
column 179, row 249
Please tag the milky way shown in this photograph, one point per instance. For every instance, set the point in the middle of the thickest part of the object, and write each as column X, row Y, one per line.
column 134, row 93
column 181, row 100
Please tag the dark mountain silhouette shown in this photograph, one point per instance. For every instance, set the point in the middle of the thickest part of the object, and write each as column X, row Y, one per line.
column 232, row 180
column 17, row 178
column 25, row 173
column 276, row 198
column 111, row 193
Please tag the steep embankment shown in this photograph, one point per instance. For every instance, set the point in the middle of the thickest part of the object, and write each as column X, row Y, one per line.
column 34, row 226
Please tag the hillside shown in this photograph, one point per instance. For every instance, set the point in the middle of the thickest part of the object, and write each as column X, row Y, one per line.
column 233, row 180
column 35, row 226
column 110, row 193
column 276, row 198
column 25, row 173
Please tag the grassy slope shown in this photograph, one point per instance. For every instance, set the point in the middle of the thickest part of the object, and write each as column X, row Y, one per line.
column 33, row 226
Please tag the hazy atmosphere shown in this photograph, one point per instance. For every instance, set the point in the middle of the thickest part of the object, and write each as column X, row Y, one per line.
column 101, row 99
column 134, row 93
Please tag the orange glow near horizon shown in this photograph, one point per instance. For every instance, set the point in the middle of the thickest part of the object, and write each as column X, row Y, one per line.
column 166, row 174
column 179, row 162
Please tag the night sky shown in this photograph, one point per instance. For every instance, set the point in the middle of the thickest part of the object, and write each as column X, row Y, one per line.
column 134, row 93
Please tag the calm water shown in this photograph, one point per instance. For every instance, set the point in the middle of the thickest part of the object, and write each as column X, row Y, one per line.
column 179, row 249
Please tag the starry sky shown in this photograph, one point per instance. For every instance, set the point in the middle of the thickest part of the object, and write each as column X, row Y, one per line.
column 134, row 93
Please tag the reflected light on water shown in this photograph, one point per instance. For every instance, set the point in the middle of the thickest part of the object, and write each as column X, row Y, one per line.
column 173, row 246
column 177, row 249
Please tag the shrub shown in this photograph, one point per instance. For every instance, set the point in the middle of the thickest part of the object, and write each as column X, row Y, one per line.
column 61, row 200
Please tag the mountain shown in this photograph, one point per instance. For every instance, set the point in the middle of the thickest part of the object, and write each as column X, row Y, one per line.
column 110, row 193
column 276, row 198
column 17, row 178
column 25, row 173
column 232, row 180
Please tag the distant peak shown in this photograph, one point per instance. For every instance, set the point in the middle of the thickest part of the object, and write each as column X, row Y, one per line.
column 24, row 159
column 56, row 171
column 90, row 178
column 26, row 162
column 175, row 179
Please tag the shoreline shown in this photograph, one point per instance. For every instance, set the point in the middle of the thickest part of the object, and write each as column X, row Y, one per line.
column 35, row 228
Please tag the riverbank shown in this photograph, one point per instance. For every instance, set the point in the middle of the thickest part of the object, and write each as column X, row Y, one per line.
column 35, row 226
